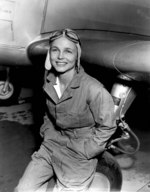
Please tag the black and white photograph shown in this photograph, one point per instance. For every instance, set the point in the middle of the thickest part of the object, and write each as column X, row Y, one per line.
column 75, row 96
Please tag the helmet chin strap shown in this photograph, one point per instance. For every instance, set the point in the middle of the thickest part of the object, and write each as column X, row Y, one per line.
column 48, row 64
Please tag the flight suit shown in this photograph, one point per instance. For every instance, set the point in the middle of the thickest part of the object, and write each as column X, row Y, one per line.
column 75, row 130
column 78, row 127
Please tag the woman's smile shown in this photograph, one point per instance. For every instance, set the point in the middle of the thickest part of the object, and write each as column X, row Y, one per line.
column 61, row 62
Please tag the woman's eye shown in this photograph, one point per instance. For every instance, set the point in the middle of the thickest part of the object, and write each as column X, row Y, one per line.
column 68, row 51
column 53, row 50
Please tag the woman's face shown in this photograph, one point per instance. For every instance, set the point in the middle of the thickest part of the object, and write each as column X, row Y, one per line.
column 63, row 55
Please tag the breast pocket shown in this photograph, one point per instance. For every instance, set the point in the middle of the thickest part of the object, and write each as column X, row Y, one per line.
column 68, row 120
column 78, row 119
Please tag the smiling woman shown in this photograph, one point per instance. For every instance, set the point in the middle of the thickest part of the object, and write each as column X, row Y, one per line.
column 63, row 55
column 78, row 123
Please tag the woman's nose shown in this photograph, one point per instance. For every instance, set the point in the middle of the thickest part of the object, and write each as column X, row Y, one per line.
column 60, row 55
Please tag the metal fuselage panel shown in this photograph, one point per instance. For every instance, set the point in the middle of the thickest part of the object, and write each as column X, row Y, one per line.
column 20, row 23
column 127, row 16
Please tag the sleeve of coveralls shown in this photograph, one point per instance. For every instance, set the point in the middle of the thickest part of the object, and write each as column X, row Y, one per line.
column 102, row 108
column 46, row 125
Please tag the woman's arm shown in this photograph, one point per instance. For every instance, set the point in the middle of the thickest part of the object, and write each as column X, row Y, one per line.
column 102, row 108
column 47, row 124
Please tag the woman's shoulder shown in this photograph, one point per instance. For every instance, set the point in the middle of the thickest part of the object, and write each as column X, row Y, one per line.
column 96, row 90
column 92, row 82
column 94, row 87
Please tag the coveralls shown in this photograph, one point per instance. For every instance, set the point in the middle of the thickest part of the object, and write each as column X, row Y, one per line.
column 75, row 130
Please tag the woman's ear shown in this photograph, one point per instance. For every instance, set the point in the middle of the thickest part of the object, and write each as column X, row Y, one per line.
column 48, row 64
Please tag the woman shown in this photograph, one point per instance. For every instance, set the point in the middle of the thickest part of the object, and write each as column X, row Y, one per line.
column 78, row 123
